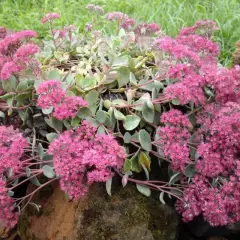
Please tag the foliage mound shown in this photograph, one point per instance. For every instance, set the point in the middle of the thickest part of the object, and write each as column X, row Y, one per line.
column 87, row 106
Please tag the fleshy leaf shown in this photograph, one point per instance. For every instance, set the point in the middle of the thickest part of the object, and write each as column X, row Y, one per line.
column 145, row 140
column 131, row 122
column 144, row 190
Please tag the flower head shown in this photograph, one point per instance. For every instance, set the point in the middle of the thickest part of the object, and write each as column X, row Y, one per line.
column 147, row 28
column 69, row 107
column 95, row 8
column 83, row 157
column 25, row 52
column 128, row 23
column 8, row 69
column 116, row 16
column 8, row 214
column 12, row 146
column 50, row 94
column 50, row 17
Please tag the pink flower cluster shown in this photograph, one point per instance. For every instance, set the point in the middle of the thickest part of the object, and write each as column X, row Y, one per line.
column 219, row 204
column 196, row 77
column 50, row 17
column 204, row 28
column 193, row 63
column 82, row 157
column 117, row 16
column 219, row 149
column 95, row 8
column 63, row 33
column 12, row 146
column 8, row 213
column 128, row 23
column 51, row 94
column 201, row 197
column 147, row 29
column 173, row 139
column 88, row 27
column 16, row 57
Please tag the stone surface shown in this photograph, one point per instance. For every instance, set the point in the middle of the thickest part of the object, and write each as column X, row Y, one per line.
column 7, row 234
column 3, row 231
column 127, row 215
column 55, row 222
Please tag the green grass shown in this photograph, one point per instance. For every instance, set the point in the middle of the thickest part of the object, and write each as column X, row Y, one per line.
column 172, row 15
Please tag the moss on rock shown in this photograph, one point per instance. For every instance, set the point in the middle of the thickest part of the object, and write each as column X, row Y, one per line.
column 127, row 215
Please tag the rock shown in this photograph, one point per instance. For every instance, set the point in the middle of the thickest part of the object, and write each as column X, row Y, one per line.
column 56, row 220
column 3, row 231
column 3, row 32
column 236, row 54
column 127, row 215
column 6, row 233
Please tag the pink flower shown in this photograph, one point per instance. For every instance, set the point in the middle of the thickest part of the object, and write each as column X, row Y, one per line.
column 50, row 17
column 200, row 44
column 116, row 16
column 26, row 34
column 128, row 23
column 9, row 69
column 177, row 50
column 205, row 28
column 173, row 139
column 50, row 94
column 70, row 28
column 26, row 51
column 82, row 157
column 12, row 146
column 61, row 33
column 190, row 89
column 69, row 107
column 95, row 8
column 88, row 27
column 147, row 28
column 219, row 148
column 8, row 214
column 10, row 43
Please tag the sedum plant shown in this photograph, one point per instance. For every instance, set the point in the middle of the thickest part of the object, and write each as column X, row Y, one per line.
column 87, row 106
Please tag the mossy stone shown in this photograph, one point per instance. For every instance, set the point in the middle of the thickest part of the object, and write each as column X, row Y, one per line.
column 127, row 215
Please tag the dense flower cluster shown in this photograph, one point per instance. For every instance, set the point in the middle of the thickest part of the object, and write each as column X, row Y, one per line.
column 116, row 16
column 82, row 157
column 12, row 146
column 8, row 213
column 50, row 17
column 219, row 205
column 147, row 29
column 95, row 8
column 203, row 28
column 52, row 95
column 219, row 148
column 16, row 57
column 173, row 139
column 218, row 159
column 197, row 79
column 128, row 24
